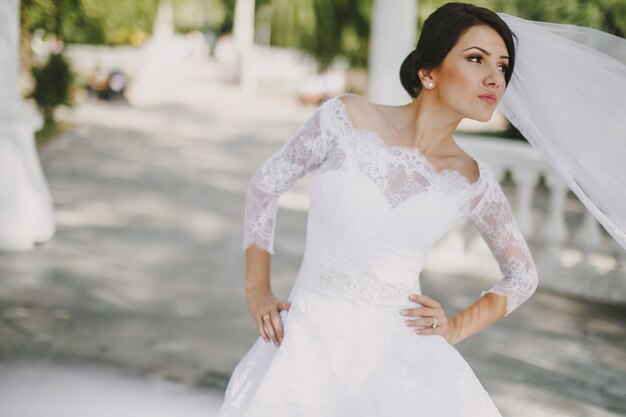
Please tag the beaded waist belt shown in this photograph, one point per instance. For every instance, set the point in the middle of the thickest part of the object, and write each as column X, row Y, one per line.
column 364, row 286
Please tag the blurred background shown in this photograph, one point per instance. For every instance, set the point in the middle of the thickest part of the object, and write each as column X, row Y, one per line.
column 129, row 131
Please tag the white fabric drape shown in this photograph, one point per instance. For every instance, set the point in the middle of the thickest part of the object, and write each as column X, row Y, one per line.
column 568, row 98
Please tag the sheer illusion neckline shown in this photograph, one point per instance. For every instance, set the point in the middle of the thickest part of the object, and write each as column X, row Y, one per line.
column 370, row 133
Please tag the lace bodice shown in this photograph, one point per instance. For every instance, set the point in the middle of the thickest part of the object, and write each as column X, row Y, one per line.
column 378, row 207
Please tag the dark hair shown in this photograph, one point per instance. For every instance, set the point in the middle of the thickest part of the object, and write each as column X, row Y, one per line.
column 441, row 31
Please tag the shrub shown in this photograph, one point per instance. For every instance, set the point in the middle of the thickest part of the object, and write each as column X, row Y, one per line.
column 53, row 82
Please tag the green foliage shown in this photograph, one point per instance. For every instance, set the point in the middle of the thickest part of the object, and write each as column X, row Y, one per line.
column 606, row 15
column 324, row 28
column 202, row 15
column 92, row 21
column 122, row 21
column 49, row 130
column 327, row 28
column 53, row 82
column 229, row 16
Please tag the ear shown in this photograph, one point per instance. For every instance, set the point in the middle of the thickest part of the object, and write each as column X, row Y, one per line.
column 427, row 77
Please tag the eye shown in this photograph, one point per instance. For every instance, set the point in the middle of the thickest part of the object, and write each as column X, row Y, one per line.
column 478, row 58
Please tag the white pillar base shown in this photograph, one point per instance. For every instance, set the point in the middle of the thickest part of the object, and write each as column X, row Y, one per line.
column 26, row 209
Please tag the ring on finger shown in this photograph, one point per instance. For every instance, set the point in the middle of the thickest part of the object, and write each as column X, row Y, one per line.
column 435, row 324
column 266, row 317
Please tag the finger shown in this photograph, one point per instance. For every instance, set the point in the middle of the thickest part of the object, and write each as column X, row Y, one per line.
column 423, row 322
column 421, row 312
column 428, row 322
column 278, row 326
column 261, row 328
column 283, row 305
column 425, row 300
column 266, row 319
column 270, row 327
column 429, row 330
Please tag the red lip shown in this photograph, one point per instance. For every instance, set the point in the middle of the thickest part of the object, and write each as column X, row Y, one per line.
column 488, row 95
column 489, row 98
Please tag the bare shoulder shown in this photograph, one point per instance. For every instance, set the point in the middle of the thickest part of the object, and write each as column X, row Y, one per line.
column 473, row 173
column 358, row 107
column 354, row 100
column 466, row 165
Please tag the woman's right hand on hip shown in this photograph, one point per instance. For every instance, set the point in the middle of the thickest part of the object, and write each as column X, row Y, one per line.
column 265, row 308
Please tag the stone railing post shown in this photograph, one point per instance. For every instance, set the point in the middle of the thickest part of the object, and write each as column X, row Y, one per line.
column 525, row 181
column 588, row 238
column 553, row 232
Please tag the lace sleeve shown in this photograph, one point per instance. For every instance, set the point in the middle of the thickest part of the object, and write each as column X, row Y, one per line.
column 305, row 151
column 494, row 219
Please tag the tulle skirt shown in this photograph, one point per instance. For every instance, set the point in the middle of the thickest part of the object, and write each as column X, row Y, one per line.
column 341, row 359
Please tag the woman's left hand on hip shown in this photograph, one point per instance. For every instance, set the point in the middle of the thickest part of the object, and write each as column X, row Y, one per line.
column 423, row 318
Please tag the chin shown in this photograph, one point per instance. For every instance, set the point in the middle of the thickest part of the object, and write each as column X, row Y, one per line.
column 482, row 117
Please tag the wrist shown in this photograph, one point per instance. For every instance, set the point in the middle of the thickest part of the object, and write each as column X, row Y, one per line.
column 257, row 287
column 455, row 334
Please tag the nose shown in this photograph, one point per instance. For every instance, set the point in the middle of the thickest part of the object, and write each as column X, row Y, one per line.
column 494, row 78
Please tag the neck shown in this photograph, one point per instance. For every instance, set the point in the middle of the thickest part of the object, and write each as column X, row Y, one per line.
column 430, row 122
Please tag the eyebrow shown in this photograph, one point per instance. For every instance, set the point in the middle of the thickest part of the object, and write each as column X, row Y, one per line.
column 487, row 53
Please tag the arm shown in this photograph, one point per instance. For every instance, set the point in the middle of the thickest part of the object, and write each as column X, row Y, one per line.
column 482, row 313
column 494, row 219
column 491, row 213
column 259, row 297
column 306, row 150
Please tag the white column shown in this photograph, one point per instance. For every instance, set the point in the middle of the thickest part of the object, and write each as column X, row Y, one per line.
column 26, row 211
column 9, row 40
column 553, row 234
column 588, row 237
column 617, row 276
column 243, row 36
column 525, row 180
column 243, row 25
column 393, row 37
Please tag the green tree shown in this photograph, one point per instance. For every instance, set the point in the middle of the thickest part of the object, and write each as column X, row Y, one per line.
column 91, row 21
column 202, row 15
column 324, row 28
column 53, row 82
column 327, row 28
column 606, row 15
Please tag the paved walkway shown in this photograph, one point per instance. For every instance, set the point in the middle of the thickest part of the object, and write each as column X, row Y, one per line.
column 40, row 388
column 146, row 269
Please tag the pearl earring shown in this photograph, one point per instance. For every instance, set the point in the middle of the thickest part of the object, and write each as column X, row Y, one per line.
column 430, row 85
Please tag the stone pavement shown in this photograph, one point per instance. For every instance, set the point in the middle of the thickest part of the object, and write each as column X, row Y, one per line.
column 40, row 388
column 146, row 269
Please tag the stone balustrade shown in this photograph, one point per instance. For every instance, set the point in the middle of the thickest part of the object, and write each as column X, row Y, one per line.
column 573, row 253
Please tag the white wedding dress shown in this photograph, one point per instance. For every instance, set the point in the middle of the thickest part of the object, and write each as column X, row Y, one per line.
column 375, row 212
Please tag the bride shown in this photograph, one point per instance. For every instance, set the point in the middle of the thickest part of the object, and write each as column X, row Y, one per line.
column 357, row 337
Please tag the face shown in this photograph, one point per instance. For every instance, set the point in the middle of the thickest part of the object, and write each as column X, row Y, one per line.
column 470, row 80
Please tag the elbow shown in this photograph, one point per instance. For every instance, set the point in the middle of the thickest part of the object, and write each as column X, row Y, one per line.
column 531, row 283
column 534, row 282
column 532, row 279
column 517, row 290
